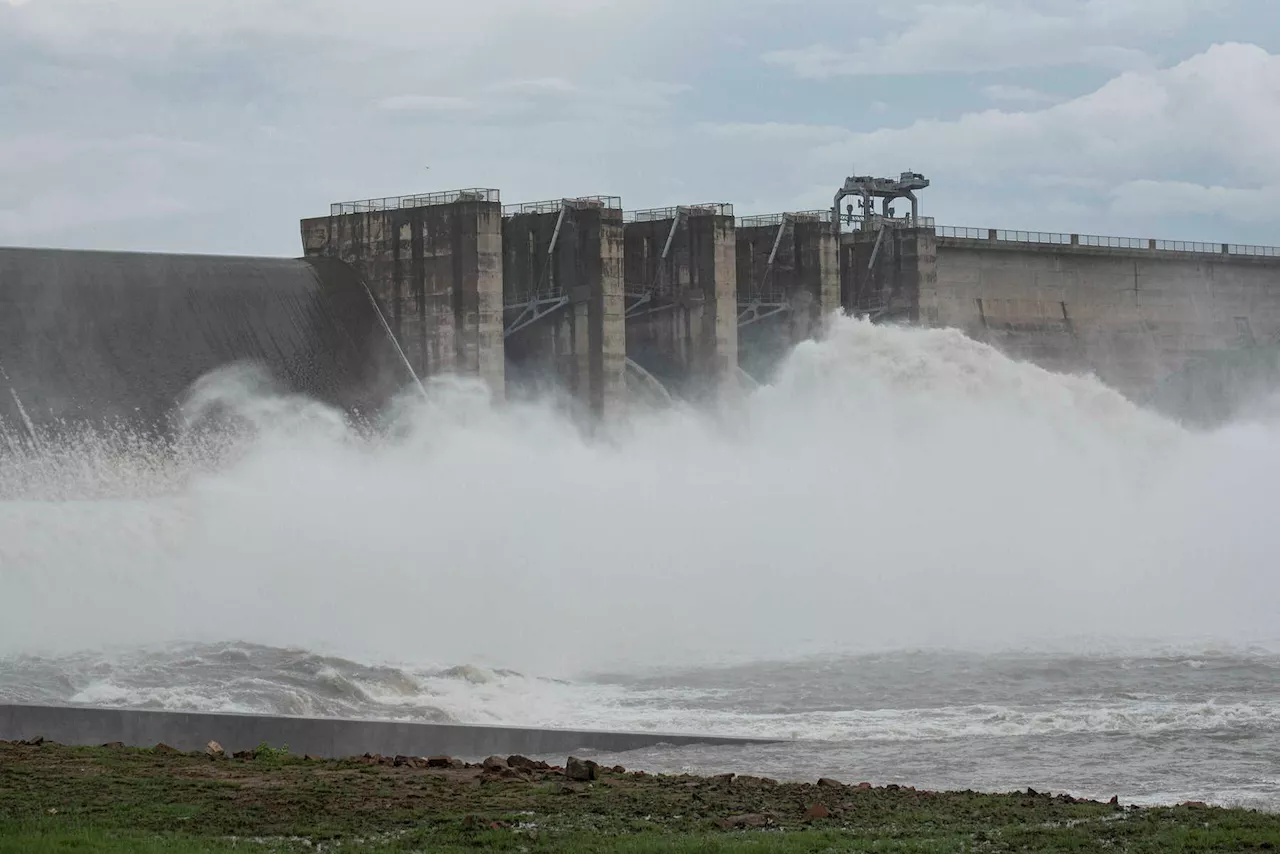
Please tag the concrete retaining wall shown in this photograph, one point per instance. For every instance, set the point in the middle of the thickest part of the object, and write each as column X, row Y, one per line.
column 1133, row 316
column 323, row 737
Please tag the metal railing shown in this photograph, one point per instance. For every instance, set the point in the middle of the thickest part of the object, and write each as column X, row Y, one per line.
column 613, row 203
column 658, row 214
column 864, row 223
column 765, row 220
column 1032, row 237
column 1253, row 251
column 1052, row 238
column 420, row 200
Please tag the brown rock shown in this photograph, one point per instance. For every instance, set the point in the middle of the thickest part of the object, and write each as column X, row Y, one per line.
column 457, row 764
column 1115, row 801
column 817, row 811
column 164, row 748
column 400, row 761
column 1200, row 804
column 111, row 745
column 33, row 742
column 576, row 769
column 724, row 778
column 309, row 758
column 214, row 749
column 439, row 762
column 618, row 769
column 525, row 763
column 493, row 763
column 828, row 783
column 864, row 786
column 243, row 754
column 748, row 820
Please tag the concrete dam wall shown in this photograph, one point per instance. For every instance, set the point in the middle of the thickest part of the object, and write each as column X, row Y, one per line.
column 1148, row 321
column 690, row 292
column 612, row 305
column 88, row 338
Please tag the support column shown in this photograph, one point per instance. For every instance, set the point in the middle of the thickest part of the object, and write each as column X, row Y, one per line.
column 681, row 284
column 434, row 264
column 883, row 271
column 563, row 291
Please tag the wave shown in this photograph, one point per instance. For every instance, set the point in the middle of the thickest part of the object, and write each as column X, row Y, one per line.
column 250, row 678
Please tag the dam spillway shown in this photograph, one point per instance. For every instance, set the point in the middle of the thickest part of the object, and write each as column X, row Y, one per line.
column 88, row 338
column 614, row 306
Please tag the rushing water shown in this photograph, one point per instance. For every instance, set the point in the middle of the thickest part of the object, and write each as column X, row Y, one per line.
column 929, row 563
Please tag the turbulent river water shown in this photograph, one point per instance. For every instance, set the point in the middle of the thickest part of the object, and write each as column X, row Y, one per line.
column 916, row 560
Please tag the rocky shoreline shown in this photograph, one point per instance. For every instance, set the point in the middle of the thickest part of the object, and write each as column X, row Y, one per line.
column 446, row 801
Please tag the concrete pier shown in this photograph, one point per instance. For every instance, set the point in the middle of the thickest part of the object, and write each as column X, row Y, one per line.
column 884, row 265
column 681, row 286
column 563, row 295
column 788, row 278
column 434, row 262
column 328, row 738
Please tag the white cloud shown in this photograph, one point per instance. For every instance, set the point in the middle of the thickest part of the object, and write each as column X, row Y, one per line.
column 1018, row 94
column 1197, row 137
column 1150, row 198
column 430, row 103
column 228, row 121
column 998, row 35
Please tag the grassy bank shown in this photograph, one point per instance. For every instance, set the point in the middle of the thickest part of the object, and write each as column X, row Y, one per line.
column 59, row 799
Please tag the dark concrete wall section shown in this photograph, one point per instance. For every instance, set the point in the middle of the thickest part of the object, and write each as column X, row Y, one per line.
column 437, row 272
column 323, row 737
column 89, row 339
column 886, row 282
column 805, row 273
column 585, row 342
column 688, row 335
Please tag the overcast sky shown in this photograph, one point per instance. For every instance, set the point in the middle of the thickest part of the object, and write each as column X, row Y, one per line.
column 213, row 126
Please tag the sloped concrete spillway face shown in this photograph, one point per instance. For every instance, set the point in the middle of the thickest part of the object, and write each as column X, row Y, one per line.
column 89, row 338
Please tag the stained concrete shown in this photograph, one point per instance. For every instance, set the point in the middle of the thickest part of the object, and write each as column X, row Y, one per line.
column 804, row 276
column 322, row 737
column 886, row 282
column 573, row 251
column 687, row 334
column 436, row 268
column 93, row 339
column 1135, row 317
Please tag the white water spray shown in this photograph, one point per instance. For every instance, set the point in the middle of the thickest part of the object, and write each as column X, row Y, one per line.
column 892, row 488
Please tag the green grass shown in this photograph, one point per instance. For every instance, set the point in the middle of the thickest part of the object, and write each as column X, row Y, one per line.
column 58, row 799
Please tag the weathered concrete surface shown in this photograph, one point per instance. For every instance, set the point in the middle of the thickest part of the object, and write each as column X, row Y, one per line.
column 584, row 343
column 95, row 338
column 804, row 276
column 436, row 269
column 887, row 282
column 1135, row 317
column 323, row 737
column 687, row 335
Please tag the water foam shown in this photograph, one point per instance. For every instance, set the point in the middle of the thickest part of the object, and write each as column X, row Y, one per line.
column 891, row 488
